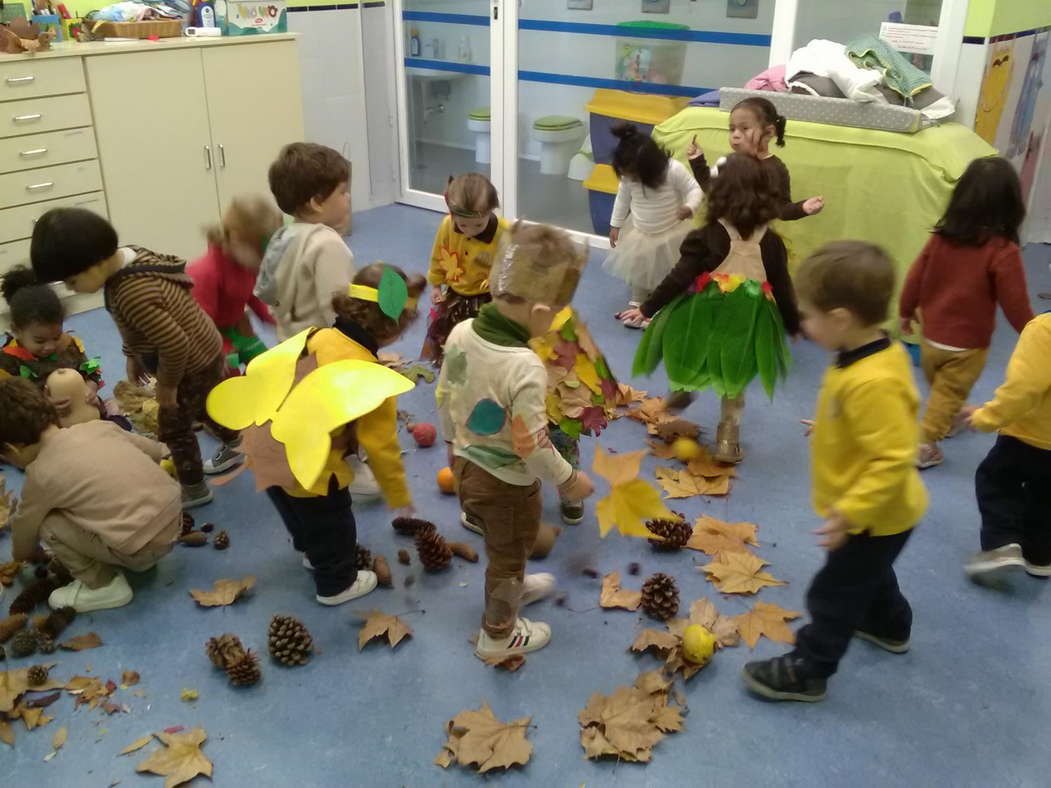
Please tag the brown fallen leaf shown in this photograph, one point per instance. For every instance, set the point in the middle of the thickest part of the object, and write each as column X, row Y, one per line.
column 660, row 641
column 59, row 738
column 224, row 592
column 14, row 683
column 7, row 733
column 392, row 360
column 707, row 465
column 654, row 682
column 32, row 717
column 137, row 745
column 627, row 724
column 614, row 596
column 672, row 428
column 661, row 450
column 683, row 484
column 651, row 410
column 82, row 642
column 739, row 573
column 378, row 623
column 712, row 536
column 8, row 572
column 769, row 620
column 724, row 628
column 478, row 737
column 626, row 395
column 181, row 760
column 129, row 678
column 89, row 690
column 510, row 663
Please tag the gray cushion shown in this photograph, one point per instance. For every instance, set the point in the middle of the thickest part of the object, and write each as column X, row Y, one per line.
column 822, row 86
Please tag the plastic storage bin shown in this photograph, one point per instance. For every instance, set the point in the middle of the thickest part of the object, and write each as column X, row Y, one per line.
column 602, row 192
column 654, row 60
column 609, row 107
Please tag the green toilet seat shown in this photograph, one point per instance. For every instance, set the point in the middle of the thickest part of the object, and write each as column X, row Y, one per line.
column 556, row 123
column 480, row 113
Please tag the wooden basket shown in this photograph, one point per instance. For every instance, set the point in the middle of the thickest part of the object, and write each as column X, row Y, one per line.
column 161, row 28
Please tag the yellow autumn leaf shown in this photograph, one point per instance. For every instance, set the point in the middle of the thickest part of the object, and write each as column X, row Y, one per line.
column 628, row 506
column 587, row 374
column 617, row 468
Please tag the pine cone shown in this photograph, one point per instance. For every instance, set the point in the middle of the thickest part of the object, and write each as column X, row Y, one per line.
column 244, row 672
column 45, row 643
column 221, row 540
column 54, row 623
column 676, row 534
column 288, row 641
column 10, row 625
column 187, row 523
column 362, row 557
column 224, row 650
column 407, row 526
column 404, row 558
column 24, row 644
column 36, row 593
column 3, row 653
column 435, row 553
column 660, row 597
column 37, row 675
column 194, row 539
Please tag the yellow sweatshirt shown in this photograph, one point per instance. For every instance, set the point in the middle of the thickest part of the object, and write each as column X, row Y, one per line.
column 1021, row 407
column 377, row 432
column 463, row 263
column 865, row 441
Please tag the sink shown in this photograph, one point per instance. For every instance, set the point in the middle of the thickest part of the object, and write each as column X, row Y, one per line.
column 434, row 74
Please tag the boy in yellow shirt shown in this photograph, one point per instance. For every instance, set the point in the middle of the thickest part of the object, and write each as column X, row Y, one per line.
column 1013, row 483
column 866, row 486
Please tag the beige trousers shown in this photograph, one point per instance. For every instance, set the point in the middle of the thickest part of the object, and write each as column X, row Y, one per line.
column 951, row 375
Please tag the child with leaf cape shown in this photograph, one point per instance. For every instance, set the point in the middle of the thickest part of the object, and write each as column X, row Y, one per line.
column 720, row 317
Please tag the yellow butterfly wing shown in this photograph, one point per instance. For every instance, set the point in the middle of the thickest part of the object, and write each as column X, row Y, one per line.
column 326, row 399
column 255, row 397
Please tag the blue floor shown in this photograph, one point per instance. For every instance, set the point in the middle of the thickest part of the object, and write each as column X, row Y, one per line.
column 963, row 708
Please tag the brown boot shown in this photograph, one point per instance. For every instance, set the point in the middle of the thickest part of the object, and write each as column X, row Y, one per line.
column 728, row 443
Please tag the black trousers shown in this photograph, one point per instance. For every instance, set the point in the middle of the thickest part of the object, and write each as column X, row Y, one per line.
column 856, row 589
column 1013, row 485
column 323, row 527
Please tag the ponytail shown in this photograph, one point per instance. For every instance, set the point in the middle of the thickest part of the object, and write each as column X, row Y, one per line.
column 779, row 129
column 30, row 300
column 638, row 156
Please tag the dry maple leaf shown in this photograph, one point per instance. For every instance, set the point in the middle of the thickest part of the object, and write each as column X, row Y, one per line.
column 14, row 683
column 626, row 395
column 654, row 682
column 82, row 642
column 509, row 663
column 7, row 733
column 378, row 623
column 8, row 572
column 626, row 724
column 89, row 690
column 673, row 428
column 478, row 737
column 724, row 628
column 224, row 592
column 31, row 716
column 135, row 746
column 739, row 573
column 59, row 738
column 661, row 450
column 631, row 500
column 657, row 639
column 766, row 619
column 614, row 596
column 652, row 410
column 706, row 465
column 683, row 484
column 712, row 536
column 181, row 760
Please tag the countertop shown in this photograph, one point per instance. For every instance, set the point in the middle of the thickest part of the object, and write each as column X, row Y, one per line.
column 94, row 48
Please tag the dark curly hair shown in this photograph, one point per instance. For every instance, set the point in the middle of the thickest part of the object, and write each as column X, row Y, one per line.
column 30, row 300
column 69, row 241
column 744, row 194
column 368, row 314
column 639, row 157
column 767, row 115
column 24, row 412
column 986, row 203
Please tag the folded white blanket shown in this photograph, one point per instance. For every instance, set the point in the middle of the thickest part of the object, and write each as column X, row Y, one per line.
column 829, row 59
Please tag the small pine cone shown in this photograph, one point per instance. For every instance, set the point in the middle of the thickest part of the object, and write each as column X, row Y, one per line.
column 660, row 597
column 435, row 553
column 11, row 625
column 464, row 551
column 676, row 534
column 187, row 523
column 362, row 557
column 45, row 643
column 54, row 623
column 37, row 675
column 403, row 557
column 407, row 526
column 288, row 641
column 40, row 572
column 244, row 672
column 221, row 540
column 208, row 528
column 24, row 644
column 382, row 570
column 194, row 539
column 36, row 593
column 224, row 650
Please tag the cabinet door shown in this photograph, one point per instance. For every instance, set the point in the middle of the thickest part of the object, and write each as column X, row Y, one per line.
column 151, row 123
column 255, row 108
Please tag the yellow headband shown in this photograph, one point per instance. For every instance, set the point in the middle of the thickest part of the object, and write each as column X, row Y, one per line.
column 366, row 293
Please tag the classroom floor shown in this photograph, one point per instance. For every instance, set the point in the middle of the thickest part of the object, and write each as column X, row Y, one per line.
column 963, row 708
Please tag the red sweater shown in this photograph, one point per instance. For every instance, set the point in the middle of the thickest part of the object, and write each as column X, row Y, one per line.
column 956, row 288
column 224, row 289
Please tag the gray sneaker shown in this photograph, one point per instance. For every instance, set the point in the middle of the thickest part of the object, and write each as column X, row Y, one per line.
column 196, row 495
column 991, row 561
column 225, row 458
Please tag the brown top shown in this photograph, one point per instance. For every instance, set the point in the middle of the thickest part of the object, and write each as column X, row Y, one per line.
column 161, row 323
column 107, row 481
column 16, row 361
column 789, row 211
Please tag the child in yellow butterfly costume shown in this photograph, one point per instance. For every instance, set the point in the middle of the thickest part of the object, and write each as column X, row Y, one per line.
column 305, row 404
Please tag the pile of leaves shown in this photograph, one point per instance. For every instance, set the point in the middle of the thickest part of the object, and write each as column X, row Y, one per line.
column 659, row 421
column 479, row 738
column 700, row 476
column 21, row 701
column 668, row 644
column 630, row 722
column 138, row 404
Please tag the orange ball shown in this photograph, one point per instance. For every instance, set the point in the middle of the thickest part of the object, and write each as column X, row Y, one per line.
column 446, row 481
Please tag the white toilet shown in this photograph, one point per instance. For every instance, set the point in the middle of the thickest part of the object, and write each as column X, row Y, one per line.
column 478, row 121
column 559, row 137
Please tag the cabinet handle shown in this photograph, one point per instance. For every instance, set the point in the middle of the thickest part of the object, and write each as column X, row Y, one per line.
column 207, row 157
column 16, row 80
column 18, row 118
column 34, row 152
column 35, row 186
column 222, row 157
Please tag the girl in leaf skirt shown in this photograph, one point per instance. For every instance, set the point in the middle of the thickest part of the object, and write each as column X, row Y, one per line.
column 719, row 319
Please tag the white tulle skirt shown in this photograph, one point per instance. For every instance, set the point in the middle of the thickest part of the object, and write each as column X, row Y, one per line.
column 644, row 259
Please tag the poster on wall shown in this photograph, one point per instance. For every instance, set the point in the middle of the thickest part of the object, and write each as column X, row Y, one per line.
column 579, row 5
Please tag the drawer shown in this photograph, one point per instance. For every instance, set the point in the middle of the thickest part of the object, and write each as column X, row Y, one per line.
column 37, row 115
column 17, row 223
column 50, row 183
column 43, row 150
column 12, row 254
column 29, row 77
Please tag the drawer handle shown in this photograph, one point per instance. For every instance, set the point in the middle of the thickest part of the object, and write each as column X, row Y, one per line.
column 207, row 157
column 16, row 80
column 34, row 152
column 35, row 186
column 222, row 157
column 18, row 118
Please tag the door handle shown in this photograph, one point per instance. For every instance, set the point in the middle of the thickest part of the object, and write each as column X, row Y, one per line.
column 18, row 118
column 16, row 80
column 35, row 186
column 207, row 157
column 222, row 157
column 34, row 152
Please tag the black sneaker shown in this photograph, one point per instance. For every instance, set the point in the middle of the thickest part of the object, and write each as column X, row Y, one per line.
column 887, row 644
column 784, row 678
column 572, row 512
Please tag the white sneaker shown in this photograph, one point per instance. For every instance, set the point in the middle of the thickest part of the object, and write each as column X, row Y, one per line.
column 1010, row 555
column 525, row 637
column 226, row 457
column 364, row 479
column 84, row 600
column 365, row 584
column 1038, row 570
column 307, row 564
column 536, row 587
column 471, row 524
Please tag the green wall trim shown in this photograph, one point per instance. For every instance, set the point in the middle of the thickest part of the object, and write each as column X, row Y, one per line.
column 998, row 17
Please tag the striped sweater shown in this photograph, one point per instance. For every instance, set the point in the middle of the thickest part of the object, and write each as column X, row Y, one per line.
column 159, row 320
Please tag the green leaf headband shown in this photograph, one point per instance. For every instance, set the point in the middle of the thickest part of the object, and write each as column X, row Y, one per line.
column 392, row 295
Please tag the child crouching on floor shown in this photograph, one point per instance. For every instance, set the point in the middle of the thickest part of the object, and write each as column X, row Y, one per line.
column 491, row 402
column 93, row 493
